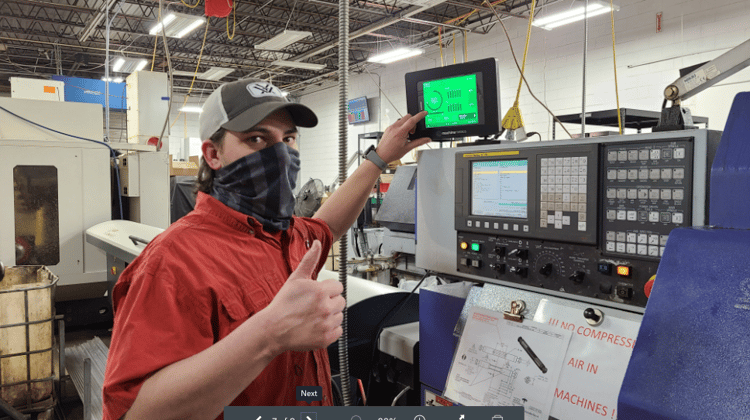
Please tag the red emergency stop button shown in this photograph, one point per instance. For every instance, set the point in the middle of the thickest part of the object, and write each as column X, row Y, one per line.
column 649, row 285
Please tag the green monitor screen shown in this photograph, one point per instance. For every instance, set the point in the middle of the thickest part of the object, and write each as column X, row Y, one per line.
column 450, row 102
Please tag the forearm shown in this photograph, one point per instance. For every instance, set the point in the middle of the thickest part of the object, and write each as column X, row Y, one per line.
column 342, row 208
column 200, row 386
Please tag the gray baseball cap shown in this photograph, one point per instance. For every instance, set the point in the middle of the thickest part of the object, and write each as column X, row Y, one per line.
column 240, row 105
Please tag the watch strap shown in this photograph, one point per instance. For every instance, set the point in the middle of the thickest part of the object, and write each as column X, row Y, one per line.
column 373, row 157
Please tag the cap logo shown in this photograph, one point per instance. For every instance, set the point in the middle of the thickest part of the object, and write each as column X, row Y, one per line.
column 263, row 89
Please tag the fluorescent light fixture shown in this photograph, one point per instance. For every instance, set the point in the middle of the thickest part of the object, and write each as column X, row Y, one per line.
column 395, row 55
column 112, row 79
column 177, row 25
column 299, row 65
column 192, row 109
column 215, row 73
column 575, row 14
column 123, row 64
column 166, row 21
column 282, row 40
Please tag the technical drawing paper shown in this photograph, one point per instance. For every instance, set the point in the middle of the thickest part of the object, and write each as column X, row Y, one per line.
column 507, row 363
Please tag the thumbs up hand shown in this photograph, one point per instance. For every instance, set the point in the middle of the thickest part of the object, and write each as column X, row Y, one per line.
column 306, row 314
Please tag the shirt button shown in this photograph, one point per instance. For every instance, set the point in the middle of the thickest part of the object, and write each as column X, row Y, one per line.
column 307, row 244
column 298, row 370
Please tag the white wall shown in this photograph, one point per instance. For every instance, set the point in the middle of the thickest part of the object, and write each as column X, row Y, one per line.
column 693, row 31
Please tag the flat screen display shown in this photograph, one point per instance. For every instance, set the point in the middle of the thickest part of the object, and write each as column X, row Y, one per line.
column 499, row 188
column 451, row 101
column 358, row 111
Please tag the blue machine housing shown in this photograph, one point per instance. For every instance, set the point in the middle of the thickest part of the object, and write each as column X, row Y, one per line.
column 692, row 356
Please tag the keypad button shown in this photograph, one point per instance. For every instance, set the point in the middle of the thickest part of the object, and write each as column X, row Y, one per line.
column 643, row 154
column 642, row 238
column 666, row 194
column 653, row 239
column 679, row 153
column 655, row 154
column 621, row 236
column 677, row 194
column 678, row 173
column 610, row 235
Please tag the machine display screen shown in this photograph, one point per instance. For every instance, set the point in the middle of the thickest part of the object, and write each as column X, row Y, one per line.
column 451, row 101
column 499, row 188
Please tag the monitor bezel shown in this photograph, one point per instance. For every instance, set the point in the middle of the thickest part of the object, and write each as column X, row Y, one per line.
column 489, row 96
column 367, row 109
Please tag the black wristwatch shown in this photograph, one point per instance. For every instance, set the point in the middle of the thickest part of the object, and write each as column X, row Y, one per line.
column 372, row 156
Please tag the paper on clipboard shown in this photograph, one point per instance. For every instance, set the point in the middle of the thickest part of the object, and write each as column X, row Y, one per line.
column 507, row 363
column 594, row 365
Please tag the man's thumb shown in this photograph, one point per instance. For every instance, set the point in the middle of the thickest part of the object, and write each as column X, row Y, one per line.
column 309, row 263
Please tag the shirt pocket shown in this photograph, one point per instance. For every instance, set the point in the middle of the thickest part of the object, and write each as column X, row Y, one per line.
column 250, row 297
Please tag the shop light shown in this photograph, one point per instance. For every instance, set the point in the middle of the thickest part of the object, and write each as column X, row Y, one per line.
column 395, row 55
column 554, row 20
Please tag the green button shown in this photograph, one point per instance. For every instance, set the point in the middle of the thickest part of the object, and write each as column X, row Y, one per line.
column 475, row 247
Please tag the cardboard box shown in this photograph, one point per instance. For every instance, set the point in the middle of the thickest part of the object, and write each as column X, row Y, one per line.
column 189, row 168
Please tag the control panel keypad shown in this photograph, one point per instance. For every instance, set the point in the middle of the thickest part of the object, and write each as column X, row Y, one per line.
column 563, row 186
column 644, row 189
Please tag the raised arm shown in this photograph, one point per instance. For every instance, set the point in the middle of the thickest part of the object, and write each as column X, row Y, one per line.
column 342, row 208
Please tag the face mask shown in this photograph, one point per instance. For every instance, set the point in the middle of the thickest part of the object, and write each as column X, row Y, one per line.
column 260, row 185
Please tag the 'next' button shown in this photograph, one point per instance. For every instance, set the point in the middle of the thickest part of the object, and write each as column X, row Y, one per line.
column 309, row 393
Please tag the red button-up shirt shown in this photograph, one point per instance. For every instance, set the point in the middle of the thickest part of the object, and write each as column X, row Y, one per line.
column 193, row 285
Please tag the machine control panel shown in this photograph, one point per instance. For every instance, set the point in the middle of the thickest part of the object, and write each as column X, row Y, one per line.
column 575, row 269
column 590, row 219
column 647, row 190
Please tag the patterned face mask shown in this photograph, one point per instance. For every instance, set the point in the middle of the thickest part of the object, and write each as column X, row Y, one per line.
column 260, row 185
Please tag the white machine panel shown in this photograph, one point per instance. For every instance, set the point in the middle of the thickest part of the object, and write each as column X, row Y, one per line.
column 148, row 103
column 46, row 90
column 52, row 188
column 83, row 200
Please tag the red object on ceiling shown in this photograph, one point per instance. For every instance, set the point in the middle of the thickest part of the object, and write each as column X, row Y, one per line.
column 218, row 8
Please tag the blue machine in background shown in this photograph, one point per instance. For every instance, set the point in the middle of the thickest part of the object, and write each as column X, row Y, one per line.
column 92, row 91
column 692, row 356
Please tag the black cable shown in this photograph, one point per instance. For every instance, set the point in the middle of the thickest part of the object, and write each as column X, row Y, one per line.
column 385, row 320
column 531, row 133
column 112, row 151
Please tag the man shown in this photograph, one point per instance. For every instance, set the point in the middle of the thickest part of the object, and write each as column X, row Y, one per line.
column 221, row 309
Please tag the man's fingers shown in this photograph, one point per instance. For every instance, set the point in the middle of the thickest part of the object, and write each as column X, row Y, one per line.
column 332, row 287
column 309, row 263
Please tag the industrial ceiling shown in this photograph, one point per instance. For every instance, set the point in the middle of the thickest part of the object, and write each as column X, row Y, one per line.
column 69, row 37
